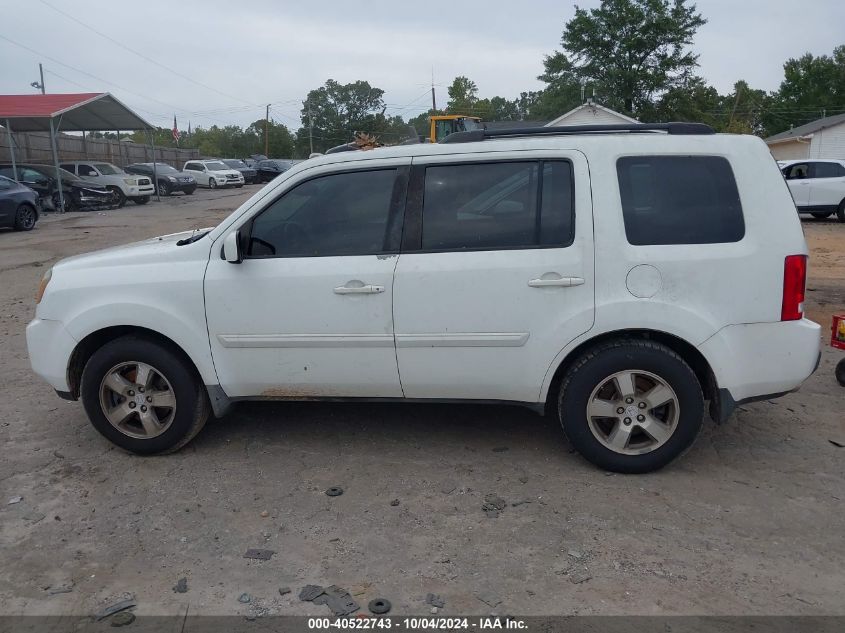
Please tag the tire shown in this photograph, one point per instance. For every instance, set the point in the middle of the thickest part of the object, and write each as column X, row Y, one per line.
column 239, row 186
column 212, row 184
column 840, row 212
column 840, row 372
column 590, row 381
column 171, row 378
column 190, row 192
column 141, row 200
column 119, row 197
column 25, row 218
column 821, row 215
column 163, row 188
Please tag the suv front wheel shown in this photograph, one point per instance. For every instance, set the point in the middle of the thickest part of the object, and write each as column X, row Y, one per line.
column 142, row 396
column 631, row 406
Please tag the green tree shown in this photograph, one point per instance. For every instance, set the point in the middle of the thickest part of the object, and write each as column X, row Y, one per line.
column 628, row 50
column 463, row 96
column 812, row 87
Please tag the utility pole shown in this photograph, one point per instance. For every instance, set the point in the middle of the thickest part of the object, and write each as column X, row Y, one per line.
column 41, row 72
column 433, row 100
column 267, row 132
column 310, row 128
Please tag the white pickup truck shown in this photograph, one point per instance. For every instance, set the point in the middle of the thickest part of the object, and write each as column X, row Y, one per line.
column 125, row 186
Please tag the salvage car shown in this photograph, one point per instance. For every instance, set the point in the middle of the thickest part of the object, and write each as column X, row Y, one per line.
column 18, row 205
column 79, row 195
column 268, row 169
column 124, row 186
column 610, row 276
column 170, row 179
column 214, row 174
column 247, row 172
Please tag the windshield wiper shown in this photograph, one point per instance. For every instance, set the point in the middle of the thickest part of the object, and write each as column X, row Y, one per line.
column 194, row 237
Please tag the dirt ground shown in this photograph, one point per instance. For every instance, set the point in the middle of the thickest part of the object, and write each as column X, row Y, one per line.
column 750, row 521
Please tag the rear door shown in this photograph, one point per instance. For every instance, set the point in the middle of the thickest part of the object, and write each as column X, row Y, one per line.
column 827, row 187
column 496, row 273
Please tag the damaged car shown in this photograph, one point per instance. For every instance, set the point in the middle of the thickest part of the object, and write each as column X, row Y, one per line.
column 79, row 194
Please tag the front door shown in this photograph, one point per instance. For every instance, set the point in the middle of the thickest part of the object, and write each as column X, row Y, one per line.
column 798, row 179
column 496, row 273
column 308, row 313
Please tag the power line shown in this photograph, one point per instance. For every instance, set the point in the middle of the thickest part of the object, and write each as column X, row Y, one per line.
column 144, row 57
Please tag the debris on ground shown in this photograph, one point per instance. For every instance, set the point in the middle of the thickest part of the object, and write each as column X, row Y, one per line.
column 335, row 598
column 284, row 591
column 128, row 603
column 520, row 503
column 259, row 554
column 63, row 588
column 493, row 505
column 58, row 455
column 490, row 599
column 579, row 576
column 181, row 586
column 575, row 553
column 395, row 502
column 360, row 589
column 264, row 514
column 334, row 491
column 433, row 611
column 245, row 598
column 435, row 600
column 379, row 606
column 448, row 487
column 14, row 500
column 840, row 444
column 123, row 618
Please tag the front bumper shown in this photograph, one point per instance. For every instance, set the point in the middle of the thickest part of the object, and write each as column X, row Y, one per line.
column 759, row 359
column 139, row 191
column 50, row 346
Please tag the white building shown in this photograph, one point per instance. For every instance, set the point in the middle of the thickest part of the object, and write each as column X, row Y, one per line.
column 591, row 113
column 823, row 138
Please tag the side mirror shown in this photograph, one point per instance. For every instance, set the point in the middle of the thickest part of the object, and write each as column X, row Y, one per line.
column 232, row 248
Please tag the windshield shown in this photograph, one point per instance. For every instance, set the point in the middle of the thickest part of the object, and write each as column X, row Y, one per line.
column 471, row 124
column 235, row 163
column 163, row 168
column 107, row 169
column 66, row 175
column 215, row 165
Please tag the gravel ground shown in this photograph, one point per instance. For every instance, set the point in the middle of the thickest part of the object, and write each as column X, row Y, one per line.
column 750, row 521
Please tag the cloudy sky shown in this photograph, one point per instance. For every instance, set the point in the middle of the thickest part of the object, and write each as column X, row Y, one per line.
column 243, row 55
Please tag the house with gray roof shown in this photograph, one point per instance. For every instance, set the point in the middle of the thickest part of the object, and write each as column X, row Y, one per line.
column 823, row 138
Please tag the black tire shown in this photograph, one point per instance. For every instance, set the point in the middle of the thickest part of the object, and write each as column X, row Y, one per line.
column 141, row 200
column 25, row 218
column 238, row 186
column 163, row 188
column 840, row 372
column 119, row 197
column 594, row 367
column 191, row 409
column 840, row 212
column 821, row 215
column 212, row 184
column 190, row 192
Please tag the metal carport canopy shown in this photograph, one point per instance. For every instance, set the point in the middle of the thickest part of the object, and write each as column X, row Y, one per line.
column 82, row 112
column 85, row 112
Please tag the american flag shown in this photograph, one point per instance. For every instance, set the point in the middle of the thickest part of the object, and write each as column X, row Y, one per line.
column 175, row 130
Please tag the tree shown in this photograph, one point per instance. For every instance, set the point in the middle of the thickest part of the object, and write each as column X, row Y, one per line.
column 463, row 96
column 812, row 87
column 628, row 50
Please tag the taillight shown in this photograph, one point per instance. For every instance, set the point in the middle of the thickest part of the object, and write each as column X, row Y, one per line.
column 794, row 282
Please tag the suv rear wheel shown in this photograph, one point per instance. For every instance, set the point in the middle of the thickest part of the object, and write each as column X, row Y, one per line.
column 840, row 211
column 142, row 396
column 631, row 406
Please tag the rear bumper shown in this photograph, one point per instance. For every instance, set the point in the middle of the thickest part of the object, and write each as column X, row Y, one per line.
column 50, row 346
column 758, row 360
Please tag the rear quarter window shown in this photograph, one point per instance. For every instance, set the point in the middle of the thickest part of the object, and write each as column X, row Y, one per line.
column 679, row 200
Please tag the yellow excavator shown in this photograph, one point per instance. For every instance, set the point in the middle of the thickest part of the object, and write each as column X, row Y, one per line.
column 442, row 125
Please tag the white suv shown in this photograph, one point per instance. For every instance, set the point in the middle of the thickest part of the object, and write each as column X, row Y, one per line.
column 617, row 280
column 213, row 174
column 817, row 186
column 125, row 186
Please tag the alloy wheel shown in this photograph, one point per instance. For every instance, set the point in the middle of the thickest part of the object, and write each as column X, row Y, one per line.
column 633, row 412
column 137, row 400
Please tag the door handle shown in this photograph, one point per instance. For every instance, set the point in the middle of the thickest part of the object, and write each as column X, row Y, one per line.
column 562, row 282
column 358, row 290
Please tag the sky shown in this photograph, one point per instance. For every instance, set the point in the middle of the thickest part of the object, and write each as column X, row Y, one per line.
column 221, row 62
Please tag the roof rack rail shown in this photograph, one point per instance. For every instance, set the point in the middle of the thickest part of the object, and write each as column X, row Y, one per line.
column 567, row 130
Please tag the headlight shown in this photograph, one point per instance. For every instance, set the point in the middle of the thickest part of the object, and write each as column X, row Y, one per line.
column 131, row 181
column 43, row 285
column 171, row 179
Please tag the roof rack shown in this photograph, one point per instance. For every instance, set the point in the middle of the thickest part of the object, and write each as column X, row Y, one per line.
column 567, row 130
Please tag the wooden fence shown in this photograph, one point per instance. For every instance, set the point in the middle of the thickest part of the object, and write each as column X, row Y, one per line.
column 34, row 147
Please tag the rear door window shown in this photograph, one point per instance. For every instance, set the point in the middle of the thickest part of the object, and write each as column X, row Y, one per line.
column 679, row 200
column 491, row 206
column 828, row 170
